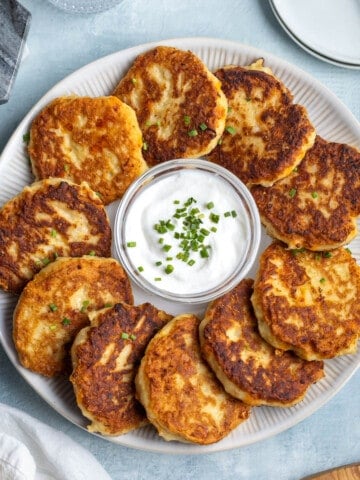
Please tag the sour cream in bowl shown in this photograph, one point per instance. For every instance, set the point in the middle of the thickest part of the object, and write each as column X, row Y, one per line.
column 187, row 230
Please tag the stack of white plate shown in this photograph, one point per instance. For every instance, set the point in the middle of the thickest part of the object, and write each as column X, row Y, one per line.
column 327, row 29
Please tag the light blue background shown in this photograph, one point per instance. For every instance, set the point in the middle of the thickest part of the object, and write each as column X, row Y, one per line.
column 59, row 43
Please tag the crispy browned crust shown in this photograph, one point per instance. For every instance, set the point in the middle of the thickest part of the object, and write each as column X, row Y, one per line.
column 105, row 365
column 308, row 302
column 330, row 172
column 97, row 140
column 249, row 368
column 271, row 134
column 166, row 86
column 33, row 231
column 181, row 395
column 56, row 304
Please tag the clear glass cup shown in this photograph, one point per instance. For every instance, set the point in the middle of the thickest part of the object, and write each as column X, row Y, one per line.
column 247, row 208
column 85, row 6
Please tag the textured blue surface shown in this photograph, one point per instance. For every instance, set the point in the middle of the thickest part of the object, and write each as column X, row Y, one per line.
column 59, row 43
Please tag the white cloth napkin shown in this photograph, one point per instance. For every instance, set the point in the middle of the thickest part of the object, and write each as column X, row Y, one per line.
column 31, row 450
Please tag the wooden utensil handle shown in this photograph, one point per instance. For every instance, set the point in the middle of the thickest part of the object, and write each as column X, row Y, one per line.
column 347, row 472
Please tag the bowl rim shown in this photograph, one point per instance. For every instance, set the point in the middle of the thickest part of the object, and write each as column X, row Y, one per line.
column 167, row 168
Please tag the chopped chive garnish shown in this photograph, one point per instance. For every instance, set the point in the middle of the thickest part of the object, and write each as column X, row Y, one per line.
column 214, row 217
column 132, row 336
column 220, row 141
column 108, row 305
column 26, row 137
column 248, row 99
column 125, row 336
column 144, row 146
column 53, row 307
column 317, row 256
column 169, row 268
column 189, row 232
column 66, row 168
column 157, row 279
column 192, row 133
column 52, row 327
column 327, row 254
column 45, row 261
column 230, row 130
column 204, row 253
column 66, row 321
column 348, row 250
column 85, row 304
column 314, row 195
column 295, row 169
column 322, row 280
column 141, row 268
column 131, row 244
column 292, row 192
column 187, row 120
column 203, row 126
column 296, row 251
column 92, row 253
column 53, row 233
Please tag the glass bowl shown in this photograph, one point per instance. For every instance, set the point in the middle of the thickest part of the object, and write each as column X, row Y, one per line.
column 231, row 235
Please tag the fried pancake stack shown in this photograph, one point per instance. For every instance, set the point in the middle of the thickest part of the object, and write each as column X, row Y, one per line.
column 264, row 342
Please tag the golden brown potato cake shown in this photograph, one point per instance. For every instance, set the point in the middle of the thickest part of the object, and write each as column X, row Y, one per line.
column 97, row 140
column 308, row 302
column 56, row 304
column 179, row 104
column 316, row 206
column 105, row 359
column 49, row 218
column 266, row 134
column 248, row 367
column 181, row 395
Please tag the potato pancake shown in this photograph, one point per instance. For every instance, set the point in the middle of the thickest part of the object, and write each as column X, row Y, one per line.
column 105, row 359
column 308, row 302
column 316, row 206
column 248, row 367
column 49, row 219
column 97, row 140
column 56, row 304
column 181, row 395
column 179, row 104
column 266, row 135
